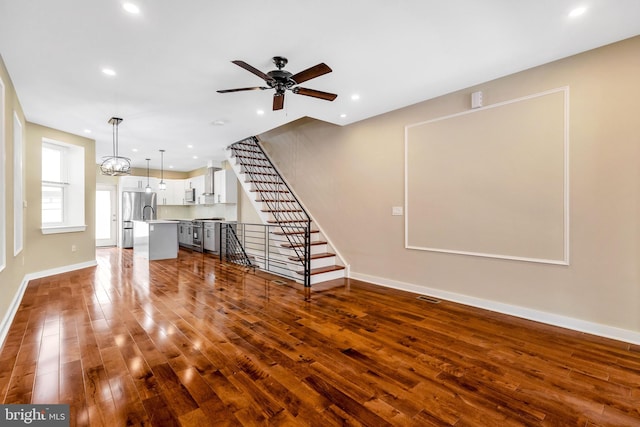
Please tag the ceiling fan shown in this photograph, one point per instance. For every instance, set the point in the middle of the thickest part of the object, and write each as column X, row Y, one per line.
column 281, row 80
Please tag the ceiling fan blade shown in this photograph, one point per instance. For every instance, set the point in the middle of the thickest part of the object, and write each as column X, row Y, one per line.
column 311, row 73
column 253, row 70
column 278, row 101
column 315, row 93
column 241, row 89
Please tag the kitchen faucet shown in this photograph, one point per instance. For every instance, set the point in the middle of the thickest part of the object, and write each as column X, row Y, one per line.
column 153, row 212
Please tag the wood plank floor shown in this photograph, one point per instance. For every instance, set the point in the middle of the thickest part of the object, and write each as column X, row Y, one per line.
column 193, row 342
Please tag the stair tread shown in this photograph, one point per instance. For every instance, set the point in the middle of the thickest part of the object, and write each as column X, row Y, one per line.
column 314, row 256
column 287, row 221
column 298, row 245
column 323, row 269
column 284, row 233
column 270, row 191
column 281, row 210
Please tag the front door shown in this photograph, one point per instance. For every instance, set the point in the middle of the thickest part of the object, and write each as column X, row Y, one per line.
column 106, row 215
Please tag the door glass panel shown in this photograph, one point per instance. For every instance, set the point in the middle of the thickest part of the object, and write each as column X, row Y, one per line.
column 103, row 214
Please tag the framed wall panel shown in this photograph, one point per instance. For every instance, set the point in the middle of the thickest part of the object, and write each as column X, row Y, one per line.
column 18, row 185
column 492, row 181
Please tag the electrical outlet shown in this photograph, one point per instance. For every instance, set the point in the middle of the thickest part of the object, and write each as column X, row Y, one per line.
column 397, row 210
column 74, row 248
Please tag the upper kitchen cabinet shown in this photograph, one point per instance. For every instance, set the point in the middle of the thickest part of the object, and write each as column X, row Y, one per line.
column 225, row 186
column 138, row 183
column 196, row 182
column 174, row 193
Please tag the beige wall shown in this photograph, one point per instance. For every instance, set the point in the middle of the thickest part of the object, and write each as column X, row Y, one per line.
column 350, row 177
column 40, row 252
column 11, row 276
column 54, row 250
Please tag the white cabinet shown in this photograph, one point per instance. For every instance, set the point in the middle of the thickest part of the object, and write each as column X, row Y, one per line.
column 225, row 186
column 211, row 230
column 174, row 193
column 138, row 183
column 132, row 182
column 196, row 182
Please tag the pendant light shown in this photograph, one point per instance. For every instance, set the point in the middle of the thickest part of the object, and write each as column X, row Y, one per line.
column 162, row 185
column 115, row 165
column 147, row 189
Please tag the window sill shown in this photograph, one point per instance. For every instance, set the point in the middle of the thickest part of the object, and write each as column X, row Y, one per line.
column 63, row 229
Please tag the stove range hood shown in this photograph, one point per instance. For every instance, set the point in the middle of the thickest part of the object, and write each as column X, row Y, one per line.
column 208, row 180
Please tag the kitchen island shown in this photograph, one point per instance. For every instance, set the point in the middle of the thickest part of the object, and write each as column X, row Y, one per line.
column 155, row 239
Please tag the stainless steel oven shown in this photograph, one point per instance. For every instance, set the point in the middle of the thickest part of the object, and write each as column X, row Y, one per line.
column 198, row 230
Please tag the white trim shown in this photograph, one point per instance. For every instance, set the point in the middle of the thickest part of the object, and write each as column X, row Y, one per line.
column 18, row 185
column 553, row 319
column 565, row 260
column 63, row 229
column 17, row 298
column 3, row 180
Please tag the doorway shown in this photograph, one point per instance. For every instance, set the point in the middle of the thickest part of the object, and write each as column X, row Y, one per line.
column 106, row 215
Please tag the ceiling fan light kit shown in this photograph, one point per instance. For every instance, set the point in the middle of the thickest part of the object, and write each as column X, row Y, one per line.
column 281, row 80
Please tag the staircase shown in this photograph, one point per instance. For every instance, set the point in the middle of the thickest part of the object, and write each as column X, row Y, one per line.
column 300, row 245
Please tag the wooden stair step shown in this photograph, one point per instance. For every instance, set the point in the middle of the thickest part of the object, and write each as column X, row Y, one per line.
column 299, row 245
column 276, row 201
column 264, row 181
column 323, row 269
column 245, row 150
column 259, row 173
column 271, row 191
column 287, row 233
column 314, row 256
column 241, row 156
column 287, row 221
column 280, row 210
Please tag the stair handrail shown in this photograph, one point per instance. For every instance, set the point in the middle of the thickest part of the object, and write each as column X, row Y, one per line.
column 231, row 236
column 301, row 247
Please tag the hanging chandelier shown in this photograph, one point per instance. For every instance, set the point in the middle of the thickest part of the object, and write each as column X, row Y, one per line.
column 115, row 165
column 162, row 185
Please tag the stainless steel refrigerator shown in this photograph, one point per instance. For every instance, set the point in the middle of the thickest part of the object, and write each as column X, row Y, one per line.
column 136, row 205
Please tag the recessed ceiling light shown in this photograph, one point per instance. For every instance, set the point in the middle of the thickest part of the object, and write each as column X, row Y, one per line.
column 170, row 166
column 108, row 71
column 355, row 97
column 131, row 8
column 343, row 115
column 135, row 150
column 260, row 112
column 577, row 11
column 87, row 131
column 195, row 157
column 189, row 146
column 218, row 123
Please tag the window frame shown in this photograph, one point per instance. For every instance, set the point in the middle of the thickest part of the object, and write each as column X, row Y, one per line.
column 73, row 188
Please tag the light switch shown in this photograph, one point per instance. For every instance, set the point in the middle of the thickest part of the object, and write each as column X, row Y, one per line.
column 397, row 210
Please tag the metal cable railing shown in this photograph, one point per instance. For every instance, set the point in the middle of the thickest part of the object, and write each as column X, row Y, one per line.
column 289, row 217
column 231, row 249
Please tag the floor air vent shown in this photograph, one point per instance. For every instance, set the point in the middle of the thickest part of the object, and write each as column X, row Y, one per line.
column 426, row 298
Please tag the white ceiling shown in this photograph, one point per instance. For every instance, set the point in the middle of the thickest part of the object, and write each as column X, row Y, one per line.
column 172, row 57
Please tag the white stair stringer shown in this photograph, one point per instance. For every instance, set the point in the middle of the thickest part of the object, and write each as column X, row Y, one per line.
column 323, row 256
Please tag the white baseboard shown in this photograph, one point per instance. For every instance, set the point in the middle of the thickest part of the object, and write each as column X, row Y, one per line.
column 592, row 328
column 17, row 298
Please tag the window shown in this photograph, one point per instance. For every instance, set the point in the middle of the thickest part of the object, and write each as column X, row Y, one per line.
column 62, row 187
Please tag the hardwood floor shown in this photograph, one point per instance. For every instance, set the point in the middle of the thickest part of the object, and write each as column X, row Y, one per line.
column 195, row 343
